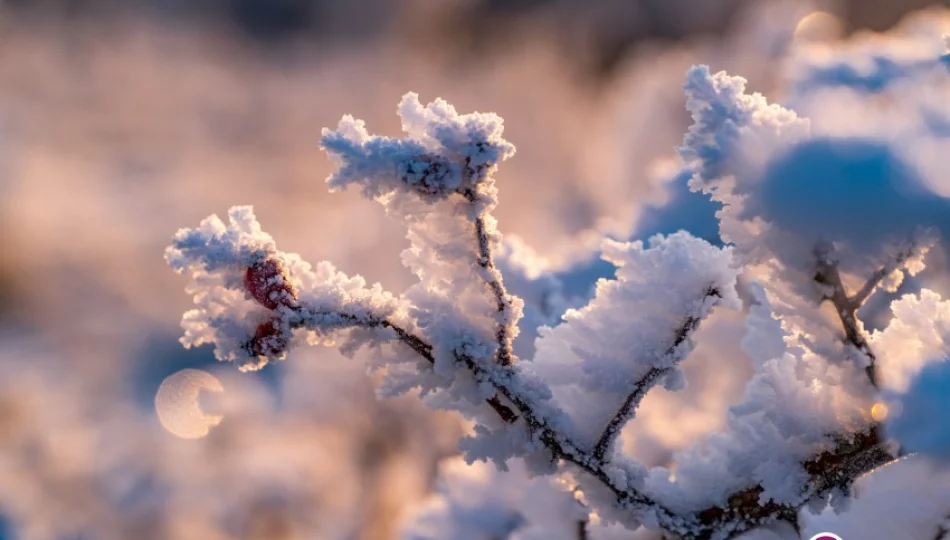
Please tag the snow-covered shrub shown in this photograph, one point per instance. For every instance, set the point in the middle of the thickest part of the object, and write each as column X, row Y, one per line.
column 816, row 218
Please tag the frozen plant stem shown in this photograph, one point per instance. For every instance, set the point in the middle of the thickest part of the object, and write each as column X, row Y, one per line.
column 676, row 353
column 559, row 445
column 846, row 307
column 853, row 455
column 251, row 298
column 493, row 279
column 517, row 407
column 865, row 292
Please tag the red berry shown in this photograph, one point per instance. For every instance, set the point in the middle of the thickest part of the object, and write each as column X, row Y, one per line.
column 268, row 340
column 268, row 283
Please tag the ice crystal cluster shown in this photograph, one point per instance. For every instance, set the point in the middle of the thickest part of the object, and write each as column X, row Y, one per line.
column 831, row 203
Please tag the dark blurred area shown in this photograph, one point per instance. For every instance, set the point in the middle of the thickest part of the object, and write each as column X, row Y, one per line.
column 597, row 34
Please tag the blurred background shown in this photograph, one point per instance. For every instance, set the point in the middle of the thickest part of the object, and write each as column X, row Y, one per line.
column 124, row 120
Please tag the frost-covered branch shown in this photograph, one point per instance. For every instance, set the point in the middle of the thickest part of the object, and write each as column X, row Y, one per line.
column 237, row 261
column 846, row 306
column 857, row 299
column 676, row 352
column 507, row 401
column 828, row 276
column 268, row 282
column 563, row 448
column 851, row 458
column 491, row 275
column 802, row 430
column 315, row 319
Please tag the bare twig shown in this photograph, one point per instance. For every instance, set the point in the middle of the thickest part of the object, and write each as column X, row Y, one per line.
column 648, row 381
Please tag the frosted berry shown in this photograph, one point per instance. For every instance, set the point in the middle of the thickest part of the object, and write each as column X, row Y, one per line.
column 268, row 340
column 268, row 283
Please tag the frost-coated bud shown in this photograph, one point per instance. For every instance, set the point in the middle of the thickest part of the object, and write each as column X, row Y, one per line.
column 268, row 283
column 428, row 175
column 268, row 340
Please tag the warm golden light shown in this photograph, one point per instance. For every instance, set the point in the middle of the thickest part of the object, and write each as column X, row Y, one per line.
column 176, row 403
column 879, row 412
column 819, row 26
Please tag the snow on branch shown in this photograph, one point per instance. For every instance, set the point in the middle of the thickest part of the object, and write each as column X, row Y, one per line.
column 325, row 310
column 676, row 352
column 846, row 306
column 447, row 153
column 803, row 430
column 604, row 357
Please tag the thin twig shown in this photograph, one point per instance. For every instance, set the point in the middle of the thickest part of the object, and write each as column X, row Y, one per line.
column 847, row 306
column 417, row 344
column 563, row 448
column 827, row 274
column 493, row 279
column 648, row 381
column 858, row 299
